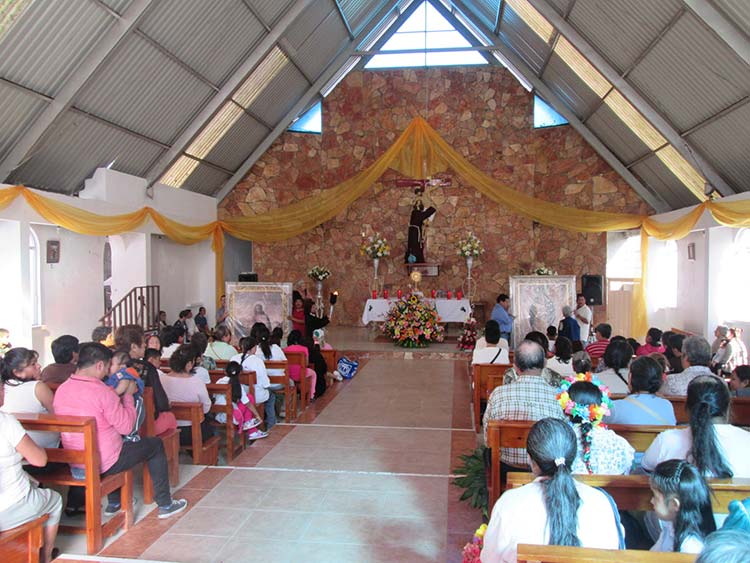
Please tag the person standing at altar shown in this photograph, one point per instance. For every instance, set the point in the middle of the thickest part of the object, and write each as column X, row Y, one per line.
column 568, row 326
column 501, row 315
column 415, row 239
column 583, row 315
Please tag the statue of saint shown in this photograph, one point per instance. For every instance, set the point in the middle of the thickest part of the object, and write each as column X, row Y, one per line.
column 415, row 239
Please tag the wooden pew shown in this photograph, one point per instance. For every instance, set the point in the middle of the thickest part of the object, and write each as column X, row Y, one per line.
column 513, row 434
column 484, row 378
column 739, row 410
column 96, row 485
column 331, row 358
column 290, row 394
column 171, row 442
column 23, row 542
column 528, row 553
column 633, row 492
column 298, row 358
column 225, row 389
column 204, row 453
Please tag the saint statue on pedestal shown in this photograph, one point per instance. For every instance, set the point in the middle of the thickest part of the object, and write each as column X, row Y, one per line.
column 416, row 237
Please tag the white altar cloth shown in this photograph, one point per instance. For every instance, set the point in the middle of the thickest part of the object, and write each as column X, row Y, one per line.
column 449, row 310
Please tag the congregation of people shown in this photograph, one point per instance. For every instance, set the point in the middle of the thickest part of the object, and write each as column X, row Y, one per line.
column 574, row 389
column 105, row 378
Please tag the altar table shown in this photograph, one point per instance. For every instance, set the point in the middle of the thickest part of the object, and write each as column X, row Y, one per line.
column 449, row 310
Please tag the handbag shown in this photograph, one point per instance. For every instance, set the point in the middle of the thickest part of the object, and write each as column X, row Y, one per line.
column 347, row 368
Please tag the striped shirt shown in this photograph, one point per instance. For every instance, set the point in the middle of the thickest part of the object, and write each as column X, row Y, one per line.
column 596, row 349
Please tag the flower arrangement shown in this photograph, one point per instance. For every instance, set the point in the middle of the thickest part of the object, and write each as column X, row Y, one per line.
column 412, row 323
column 473, row 549
column 592, row 414
column 468, row 339
column 375, row 246
column 470, row 247
column 318, row 273
column 545, row 271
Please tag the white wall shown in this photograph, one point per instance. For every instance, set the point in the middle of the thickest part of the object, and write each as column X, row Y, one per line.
column 238, row 257
column 130, row 262
column 15, row 307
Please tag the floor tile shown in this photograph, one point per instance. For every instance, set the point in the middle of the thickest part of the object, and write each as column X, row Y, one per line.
column 184, row 548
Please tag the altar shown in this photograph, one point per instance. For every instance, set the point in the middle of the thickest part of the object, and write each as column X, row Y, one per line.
column 449, row 310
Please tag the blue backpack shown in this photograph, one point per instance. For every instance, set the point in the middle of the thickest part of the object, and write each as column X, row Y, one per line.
column 347, row 368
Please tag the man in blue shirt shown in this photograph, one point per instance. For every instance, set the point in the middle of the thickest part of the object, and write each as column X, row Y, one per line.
column 501, row 315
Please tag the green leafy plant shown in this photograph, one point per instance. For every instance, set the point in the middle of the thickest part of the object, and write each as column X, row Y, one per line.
column 474, row 480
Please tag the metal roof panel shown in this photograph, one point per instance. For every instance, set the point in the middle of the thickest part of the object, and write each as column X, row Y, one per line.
column 75, row 147
column 317, row 52
column 49, row 40
column 657, row 176
column 691, row 74
column 271, row 10
column 358, row 12
column 305, row 25
column 17, row 112
column 143, row 90
column 616, row 135
column 118, row 6
column 737, row 11
column 280, row 95
column 237, row 143
column 569, row 87
column 527, row 44
column 205, row 180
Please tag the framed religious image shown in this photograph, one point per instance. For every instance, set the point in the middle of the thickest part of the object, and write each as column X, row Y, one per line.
column 249, row 303
column 536, row 302
column 53, row 251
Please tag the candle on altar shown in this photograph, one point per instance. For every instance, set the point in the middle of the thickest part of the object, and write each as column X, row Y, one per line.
column 385, row 294
column 374, row 293
column 399, row 293
column 449, row 294
column 433, row 293
column 459, row 294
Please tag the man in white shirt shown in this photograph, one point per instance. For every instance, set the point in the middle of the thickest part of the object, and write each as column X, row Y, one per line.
column 494, row 352
column 584, row 316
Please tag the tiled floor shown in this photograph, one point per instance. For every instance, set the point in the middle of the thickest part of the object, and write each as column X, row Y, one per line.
column 364, row 476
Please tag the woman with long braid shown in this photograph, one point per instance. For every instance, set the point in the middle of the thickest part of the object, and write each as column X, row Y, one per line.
column 554, row 509
column 715, row 447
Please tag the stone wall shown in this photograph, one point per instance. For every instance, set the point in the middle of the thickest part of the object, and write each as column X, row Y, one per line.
column 487, row 116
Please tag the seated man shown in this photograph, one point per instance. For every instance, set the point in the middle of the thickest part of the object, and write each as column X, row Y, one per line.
column 696, row 356
column 493, row 352
column 85, row 394
column 596, row 349
column 529, row 397
column 65, row 352
column 103, row 335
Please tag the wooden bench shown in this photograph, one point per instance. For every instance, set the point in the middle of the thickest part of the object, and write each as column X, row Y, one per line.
column 96, row 485
column 633, row 492
column 299, row 359
column 484, row 379
column 225, row 389
column 23, row 542
column 739, row 410
column 528, row 553
column 290, row 394
column 171, row 442
column 513, row 434
column 331, row 358
column 204, row 453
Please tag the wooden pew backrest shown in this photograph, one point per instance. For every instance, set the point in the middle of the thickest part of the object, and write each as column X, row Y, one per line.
column 484, row 379
column 23, row 542
column 558, row 554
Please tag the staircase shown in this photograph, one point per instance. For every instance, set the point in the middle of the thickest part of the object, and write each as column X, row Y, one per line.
column 140, row 306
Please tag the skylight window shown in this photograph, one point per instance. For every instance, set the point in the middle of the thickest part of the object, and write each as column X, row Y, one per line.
column 179, row 172
column 309, row 122
column 545, row 115
column 10, row 11
column 426, row 30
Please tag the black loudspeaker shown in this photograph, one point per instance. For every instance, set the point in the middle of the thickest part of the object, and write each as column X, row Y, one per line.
column 248, row 277
column 592, row 289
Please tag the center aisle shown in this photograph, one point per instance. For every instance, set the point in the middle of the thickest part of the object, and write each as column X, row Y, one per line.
column 365, row 476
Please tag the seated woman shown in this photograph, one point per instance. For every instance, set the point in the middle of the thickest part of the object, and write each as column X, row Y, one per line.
column 585, row 401
column 492, row 353
column 715, row 447
column 617, row 358
column 642, row 405
column 739, row 381
column 294, row 344
column 562, row 362
column 183, row 387
column 21, row 500
column 24, row 393
column 581, row 362
column 263, row 393
column 554, row 509
column 220, row 348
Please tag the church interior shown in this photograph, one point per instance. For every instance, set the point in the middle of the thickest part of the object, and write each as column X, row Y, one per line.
column 163, row 155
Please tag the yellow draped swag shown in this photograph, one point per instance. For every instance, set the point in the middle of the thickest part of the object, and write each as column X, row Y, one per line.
column 418, row 152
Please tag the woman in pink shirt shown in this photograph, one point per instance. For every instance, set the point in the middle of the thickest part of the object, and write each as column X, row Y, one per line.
column 653, row 343
column 294, row 344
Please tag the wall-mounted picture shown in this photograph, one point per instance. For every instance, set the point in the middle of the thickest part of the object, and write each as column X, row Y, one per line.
column 250, row 303
column 537, row 302
column 53, row 251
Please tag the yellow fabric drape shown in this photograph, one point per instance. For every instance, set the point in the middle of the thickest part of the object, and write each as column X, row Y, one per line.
column 418, row 152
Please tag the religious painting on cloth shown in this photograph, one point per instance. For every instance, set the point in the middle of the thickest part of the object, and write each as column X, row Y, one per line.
column 536, row 302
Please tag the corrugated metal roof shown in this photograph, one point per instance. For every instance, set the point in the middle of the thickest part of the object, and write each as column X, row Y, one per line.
column 77, row 145
column 657, row 176
column 280, row 95
column 17, row 112
column 487, row 11
column 569, row 86
column 560, row 6
column 738, row 12
column 527, row 44
column 118, row 6
column 358, row 12
column 238, row 143
column 271, row 10
column 726, row 143
column 691, row 74
column 315, row 54
column 143, row 90
column 205, row 180
column 305, row 25
column 616, row 135
column 210, row 37
column 621, row 30
column 49, row 40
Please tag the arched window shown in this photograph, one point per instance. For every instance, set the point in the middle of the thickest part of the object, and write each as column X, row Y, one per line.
column 35, row 283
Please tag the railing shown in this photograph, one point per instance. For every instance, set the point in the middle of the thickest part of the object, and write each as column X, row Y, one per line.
column 140, row 306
